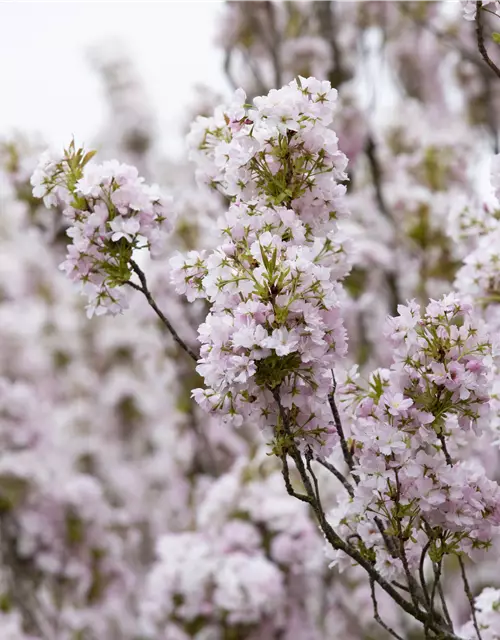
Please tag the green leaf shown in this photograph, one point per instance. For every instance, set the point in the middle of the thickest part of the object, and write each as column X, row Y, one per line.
column 271, row 371
column 272, row 264
column 279, row 199
column 495, row 36
column 264, row 258
column 88, row 157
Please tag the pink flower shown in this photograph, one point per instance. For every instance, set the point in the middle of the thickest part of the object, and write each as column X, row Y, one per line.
column 124, row 228
column 397, row 404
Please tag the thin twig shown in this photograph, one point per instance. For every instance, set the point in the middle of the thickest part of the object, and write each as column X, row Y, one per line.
column 340, row 430
column 447, row 456
column 147, row 294
column 470, row 597
column 444, row 605
column 412, row 583
column 338, row 475
column 388, row 541
column 437, row 567
column 377, row 616
column 309, row 458
column 400, row 586
column 338, row 544
column 376, row 173
column 288, row 484
column 480, row 40
column 421, row 573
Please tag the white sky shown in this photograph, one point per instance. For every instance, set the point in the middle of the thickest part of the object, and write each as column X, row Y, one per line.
column 47, row 84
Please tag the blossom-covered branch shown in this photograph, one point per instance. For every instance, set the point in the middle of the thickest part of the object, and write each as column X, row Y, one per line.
column 112, row 213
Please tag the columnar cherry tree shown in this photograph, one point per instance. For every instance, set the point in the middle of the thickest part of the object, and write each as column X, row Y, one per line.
column 323, row 463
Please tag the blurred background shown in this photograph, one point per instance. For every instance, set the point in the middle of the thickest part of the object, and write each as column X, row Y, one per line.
column 52, row 51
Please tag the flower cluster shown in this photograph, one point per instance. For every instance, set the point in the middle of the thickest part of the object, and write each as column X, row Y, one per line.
column 194, row 577
column 275, row 322
column 111, row 213
column 469, row 8
column 412, row 497
column 278, row 150
column 246, row 571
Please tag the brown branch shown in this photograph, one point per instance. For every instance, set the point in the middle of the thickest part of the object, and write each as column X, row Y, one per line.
column 421, row 573
column 447, row 456
column 371, row 154
column 288, row 484
column 340, row 430
column 444, row 605
column 340, row 477
column 437, row 568
column 469, row 595
column 480, row 40
column 377, row 616
column 377, row 178
column 412, row 583
column 338, row 544
column 144, row 289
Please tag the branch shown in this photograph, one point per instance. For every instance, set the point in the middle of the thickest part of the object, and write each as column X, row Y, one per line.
column 338, row 425
column 371, row 154
column 288, row 483
column 341, row 478
column 309, row 458
column 468, row 593
column 444, row 605
column 447, row 456
column 338, row 544
column 437, row 568
column 144, row 289
column 412, row 582
column 210, row 466
column 377, row 616
column 480, row 40
column 376, row 172
column 451, row 43
column 421, row 573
